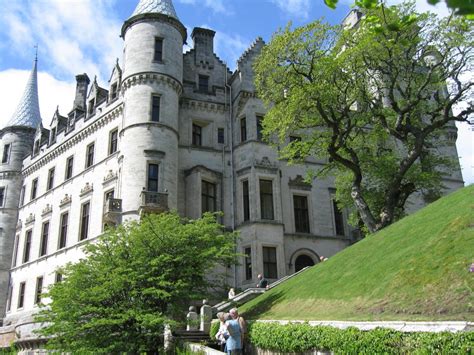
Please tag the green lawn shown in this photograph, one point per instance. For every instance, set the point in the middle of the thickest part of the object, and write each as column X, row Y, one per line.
column 416, row 269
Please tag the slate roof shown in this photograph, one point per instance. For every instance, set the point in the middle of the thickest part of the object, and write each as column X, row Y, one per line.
column 28, row 112
column 164, row 7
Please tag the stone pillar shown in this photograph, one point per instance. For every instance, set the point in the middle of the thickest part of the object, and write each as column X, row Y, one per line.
column 206, row 317
column 192, row 319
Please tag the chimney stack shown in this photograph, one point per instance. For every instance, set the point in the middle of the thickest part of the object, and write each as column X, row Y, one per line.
column 82, row 81
column 203, row 39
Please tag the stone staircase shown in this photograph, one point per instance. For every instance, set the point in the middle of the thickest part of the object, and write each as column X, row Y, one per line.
column 249, row 294
column 191, row 336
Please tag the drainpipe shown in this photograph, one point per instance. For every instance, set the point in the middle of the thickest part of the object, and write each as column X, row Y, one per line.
column 231, row 144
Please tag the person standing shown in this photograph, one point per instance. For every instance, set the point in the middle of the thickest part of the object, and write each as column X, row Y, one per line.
column 243, row 327
column 222, row 333
column 234, row 341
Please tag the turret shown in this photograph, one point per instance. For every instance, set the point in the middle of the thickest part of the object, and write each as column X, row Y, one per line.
column 151, row 89
column 16, row 142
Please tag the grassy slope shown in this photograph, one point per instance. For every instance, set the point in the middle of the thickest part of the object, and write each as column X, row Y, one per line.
column 416, row 269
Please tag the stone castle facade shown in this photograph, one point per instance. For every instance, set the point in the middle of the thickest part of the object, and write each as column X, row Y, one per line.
column 171, row 131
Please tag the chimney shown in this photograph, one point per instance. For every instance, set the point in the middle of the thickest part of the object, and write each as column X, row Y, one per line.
column 82, row 81
column 203, row 39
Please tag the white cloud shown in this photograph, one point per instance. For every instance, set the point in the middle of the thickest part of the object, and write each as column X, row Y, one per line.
column 439, row 9
column 298, row 8
column 52, row 93
column 465, row 148
column 73, row 36
column 216, row 6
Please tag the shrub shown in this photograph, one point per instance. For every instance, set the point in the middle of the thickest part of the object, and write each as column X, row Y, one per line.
column 301, row 337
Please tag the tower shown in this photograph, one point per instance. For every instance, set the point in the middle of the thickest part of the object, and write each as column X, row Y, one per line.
column 16, row 142
column 151, row 89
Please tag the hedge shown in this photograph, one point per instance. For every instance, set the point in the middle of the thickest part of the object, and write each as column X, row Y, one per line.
column 301, row 337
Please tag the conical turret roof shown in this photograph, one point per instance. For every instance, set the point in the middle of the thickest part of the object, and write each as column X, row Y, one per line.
column 28, row 112
column 164, row 7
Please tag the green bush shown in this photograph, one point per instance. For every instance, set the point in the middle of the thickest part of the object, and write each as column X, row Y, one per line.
column 300, row 337
column 214, row 329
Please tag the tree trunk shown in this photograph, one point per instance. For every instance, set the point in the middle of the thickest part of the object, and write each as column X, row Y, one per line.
column 364, row 210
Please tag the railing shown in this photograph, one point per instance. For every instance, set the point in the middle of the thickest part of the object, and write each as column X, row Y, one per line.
column 251, row 293
column 154, row 201
column 113, row 205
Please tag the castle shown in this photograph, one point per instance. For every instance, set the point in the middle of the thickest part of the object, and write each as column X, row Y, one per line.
column 171, row 131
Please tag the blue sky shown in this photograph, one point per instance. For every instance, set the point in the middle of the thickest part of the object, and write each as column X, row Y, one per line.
column 77, row 36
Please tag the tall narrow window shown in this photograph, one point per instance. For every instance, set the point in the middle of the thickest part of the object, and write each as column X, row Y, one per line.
column 248, row 263
column 6, row 153
column 243, row 129
column 158, row 54
column 220, row 136
column 9, row 299
column 39, row 289
column 22, row 195
column 52, row 136
column 300, row 208
column 15, row 251
column 113, row 141
column 246, row 199
column 58, row 278
column 89, row 155
column 338, row 219
column 208, row 196
column 91, row 107
column 296, row 139
column 34, row 189
column 197, row 135
column 21, row 295
column 266, row 199
column 69, row 166
column 27, row 249
column 2, row 196
column 270, row 263
column 155, row 108
column 85, row 211
column 36, row 147
column 203, row 83
column 50, row 179
column 259, row 128
column 113, row 91
column 63, row 230
column 44, row 239
column 152, row 177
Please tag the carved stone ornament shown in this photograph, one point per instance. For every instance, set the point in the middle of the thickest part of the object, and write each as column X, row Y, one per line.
column 87, row 189
column 110, row 176
column 47, row 209
column 299, row 183
column 265, row 163
column 19, row 224
column 66, row 200
column 30, row 219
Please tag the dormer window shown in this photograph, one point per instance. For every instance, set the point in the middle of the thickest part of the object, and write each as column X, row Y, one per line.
column 158, row 54
column 36, row 147
column 114, row 92
column 203, row 83
column 91, row 107
column 52, row 138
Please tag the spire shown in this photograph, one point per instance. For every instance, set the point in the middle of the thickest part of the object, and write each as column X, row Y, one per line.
column 164, row 7
column 27, row 112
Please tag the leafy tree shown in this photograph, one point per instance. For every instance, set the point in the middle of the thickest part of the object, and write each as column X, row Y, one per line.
column 372, row 101
column 460, row 7
column 133, row 281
